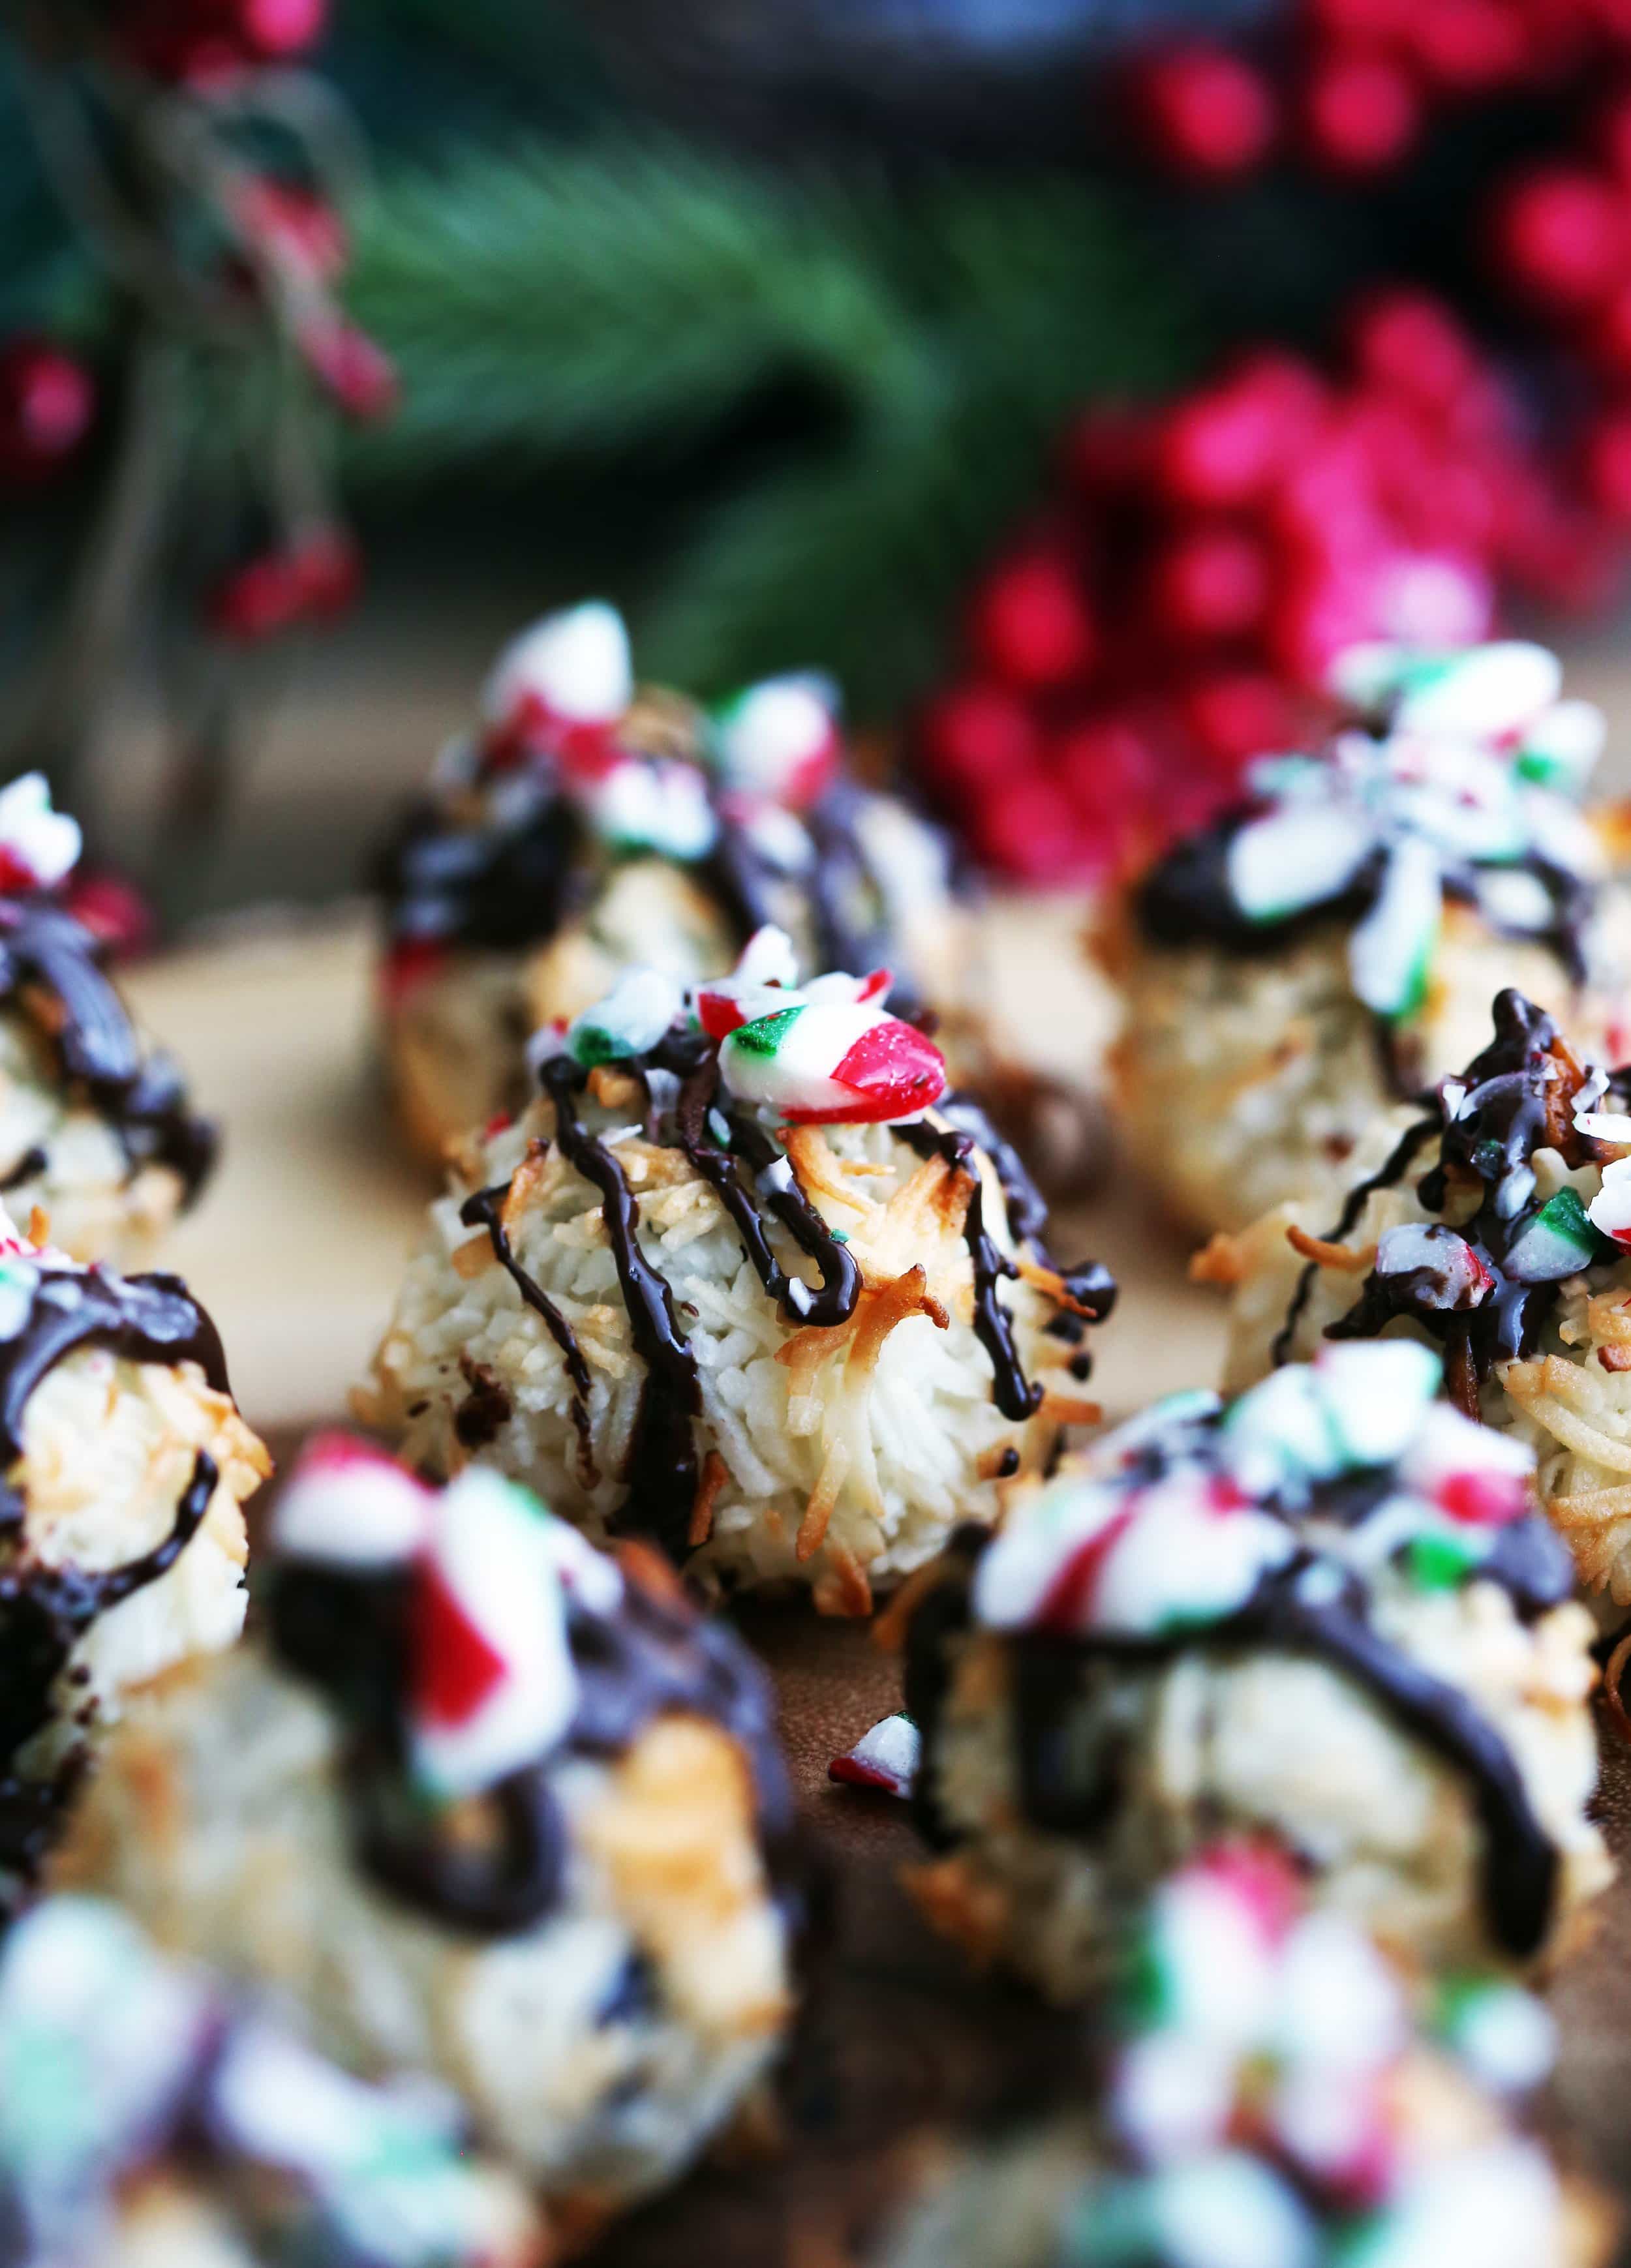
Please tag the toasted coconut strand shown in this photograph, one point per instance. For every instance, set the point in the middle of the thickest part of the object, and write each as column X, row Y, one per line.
column 1353, row 1260
column 1593, row 1523
column 1069, row 1409
column 469, row 1259
column 39, row 1225
column 843, row 1589
column 615, row 1090
column 1563, row 1397
column 715, row 1473
column 1608, row 1316
column 651, row 1570
column 1613, row 1701
column 1052, row 1285
column 823, row 1497
column 1614, row 1357
column 888, row 1633
column 820, row 1172
column 1221, row 1260
column 528, row 1180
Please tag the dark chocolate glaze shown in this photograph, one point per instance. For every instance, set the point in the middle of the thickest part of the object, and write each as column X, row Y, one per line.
column 1313, row 1606
column 1017, row 1397
column 51, row 966
column 662, row 1467
column 1185, row 900
column 350, row 1632
column 44, row 1611
column 510, row 880
column 1515, row 1098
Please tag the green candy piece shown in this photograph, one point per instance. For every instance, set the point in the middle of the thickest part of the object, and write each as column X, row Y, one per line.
column 765, row 1035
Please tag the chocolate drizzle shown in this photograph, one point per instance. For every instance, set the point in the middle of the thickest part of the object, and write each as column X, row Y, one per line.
column 1515, row 1098
column 350, row 1633
column 51, row 967
column 485, row 1210
column 44, row 1612
column 662, row 1467
column 1314, row 1606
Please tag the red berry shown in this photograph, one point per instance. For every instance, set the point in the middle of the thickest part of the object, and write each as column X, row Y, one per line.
column 1467, row 45
column 977, row 734
column 46, row 403
column 257, row 600
column 1240, row 714
column 328, row 571
column 1411, row 343
column 1362, row 114
column 1561, row 234
column 1027, row 830
column 1221, row 448
column 1607, row 462
column 1207, row 112
column 284, row 27
column 1031, row 623
column 347, row 363
column 1211, row 583
column 1107, row 767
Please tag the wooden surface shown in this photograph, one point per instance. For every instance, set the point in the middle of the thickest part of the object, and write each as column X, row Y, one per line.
column 296, row 1250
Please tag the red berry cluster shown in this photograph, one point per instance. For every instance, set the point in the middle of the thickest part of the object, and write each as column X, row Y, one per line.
column 1353, row 84
column 312, row 578
column 48, row 404
column 199, row 41
column 1174, row 611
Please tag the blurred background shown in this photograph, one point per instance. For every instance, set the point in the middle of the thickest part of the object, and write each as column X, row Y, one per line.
column 1069, row 377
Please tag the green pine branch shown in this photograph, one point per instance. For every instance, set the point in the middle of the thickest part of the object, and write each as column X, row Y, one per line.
column 554, row 305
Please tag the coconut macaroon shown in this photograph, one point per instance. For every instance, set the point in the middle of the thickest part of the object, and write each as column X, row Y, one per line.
column 94, row 1126
column 1277, row 2094
column 745, row 1280
column 1326, row 1612
column 122, row 1527
column 1332, row 947
column 483, row 1804
column 1496, row 1230
column 588, row 824
column 150, row 2119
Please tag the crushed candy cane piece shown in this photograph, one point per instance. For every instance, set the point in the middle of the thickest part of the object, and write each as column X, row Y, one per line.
column 348, row 1502
column 1610, row 1209
column 885, row 1757
column 39, row 847
column 1391, row 952
column 1297, row 857
column 630, row 1020
column 778, row 742
column 821, row 1061
column 1609, row 1126
column 574, row 666
column 494, row 1685
column 1447, row 1273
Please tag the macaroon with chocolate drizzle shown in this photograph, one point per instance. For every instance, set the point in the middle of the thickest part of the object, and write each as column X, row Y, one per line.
column 588, row 824
column 94, row 1126
column 1327, row 1612
column 753, row 1283
column 482, row 1802
column 172, row 2121
column 121, row 1534
column 1332, row 946
column 1498, row 1228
